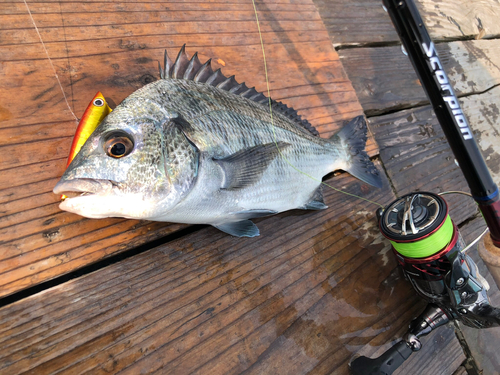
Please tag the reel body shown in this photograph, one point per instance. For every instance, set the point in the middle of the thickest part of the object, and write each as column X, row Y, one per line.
column 429, row 249
column 424, row 240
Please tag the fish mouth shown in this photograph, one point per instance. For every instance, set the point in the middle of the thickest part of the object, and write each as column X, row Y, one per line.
column 82, row 186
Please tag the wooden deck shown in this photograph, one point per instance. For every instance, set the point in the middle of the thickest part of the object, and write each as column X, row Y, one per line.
column 316, row 288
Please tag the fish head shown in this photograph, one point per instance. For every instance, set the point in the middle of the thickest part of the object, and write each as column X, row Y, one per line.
column 123, row 169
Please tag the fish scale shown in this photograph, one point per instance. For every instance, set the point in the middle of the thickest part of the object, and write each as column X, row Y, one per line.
column 198, row 147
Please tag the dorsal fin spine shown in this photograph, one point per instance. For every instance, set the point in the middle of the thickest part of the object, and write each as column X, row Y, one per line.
column 204, row 72
column 193, row 69
column 180, row 64
column 227, row 84
column 162, row 72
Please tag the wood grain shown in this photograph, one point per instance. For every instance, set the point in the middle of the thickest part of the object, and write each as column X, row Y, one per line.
column 358, row 22
column 384, row 78
column 483, row 113
column 441, row 352
column 302, row 298
column 365, row 23
column 483, row 343
column 416, row 157
column 116, row 52
column 313, row 289
column 451, row 20
column 460, row 371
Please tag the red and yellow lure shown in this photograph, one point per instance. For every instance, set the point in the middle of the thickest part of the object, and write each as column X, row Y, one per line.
column 92, row 117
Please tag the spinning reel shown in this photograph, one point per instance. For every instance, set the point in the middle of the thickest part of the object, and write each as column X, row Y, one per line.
column 425, row 241
column 430, row 250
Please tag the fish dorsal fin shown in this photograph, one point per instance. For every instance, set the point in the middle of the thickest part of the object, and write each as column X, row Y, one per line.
column 192, row 69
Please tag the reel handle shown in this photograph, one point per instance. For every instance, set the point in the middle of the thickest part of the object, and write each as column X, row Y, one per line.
column 431, row 318
column 386, row 364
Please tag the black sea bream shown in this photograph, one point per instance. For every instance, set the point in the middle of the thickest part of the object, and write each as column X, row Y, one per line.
column 197, row 147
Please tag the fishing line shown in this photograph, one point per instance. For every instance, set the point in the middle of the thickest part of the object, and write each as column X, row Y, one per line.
column 272, row 121
column 482, row 233
column 50, row 61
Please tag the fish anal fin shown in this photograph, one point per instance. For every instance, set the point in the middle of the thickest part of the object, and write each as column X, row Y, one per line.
column 243, row 228
column 317, row 202
column 244, row 168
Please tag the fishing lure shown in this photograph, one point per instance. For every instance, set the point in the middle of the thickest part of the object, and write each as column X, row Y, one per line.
column 93, row 115
column 97, row 109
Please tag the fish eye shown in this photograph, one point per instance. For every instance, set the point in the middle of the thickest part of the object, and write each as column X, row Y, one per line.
column 99, row 102
column 118, row 145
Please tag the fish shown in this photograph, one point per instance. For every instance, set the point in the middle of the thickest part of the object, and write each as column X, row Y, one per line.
column 198, row 147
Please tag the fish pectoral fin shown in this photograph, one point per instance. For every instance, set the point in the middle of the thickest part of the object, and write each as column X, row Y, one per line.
column 252, row 214
column 244, row 228
column 245, row 167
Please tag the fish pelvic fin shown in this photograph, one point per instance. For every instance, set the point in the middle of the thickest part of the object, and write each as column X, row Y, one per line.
column 190, row 68
column 360, row 166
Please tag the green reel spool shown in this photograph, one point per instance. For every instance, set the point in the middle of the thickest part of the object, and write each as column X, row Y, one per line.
column 417, row 225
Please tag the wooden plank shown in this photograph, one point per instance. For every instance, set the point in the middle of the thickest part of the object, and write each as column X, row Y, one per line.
column 441, row 352
column 460, row 371
column 441, row 348
column 462, row 18
column 116, row 52
column 357, row 22
column 384, row 78
column 416, row 157
column 483, row 343
column 314, row 285
column 364, row 22
column 483, row 113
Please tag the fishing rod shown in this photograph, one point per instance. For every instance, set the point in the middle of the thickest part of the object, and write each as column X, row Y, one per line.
column 427, row 244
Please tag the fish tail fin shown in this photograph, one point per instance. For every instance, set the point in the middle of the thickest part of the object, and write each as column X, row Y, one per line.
column 360, row 166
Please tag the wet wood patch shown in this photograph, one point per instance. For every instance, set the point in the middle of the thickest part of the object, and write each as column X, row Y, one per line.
column 116, row 52
column 304, row 297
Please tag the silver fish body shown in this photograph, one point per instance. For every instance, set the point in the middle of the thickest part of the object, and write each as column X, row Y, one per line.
column 187, row 149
